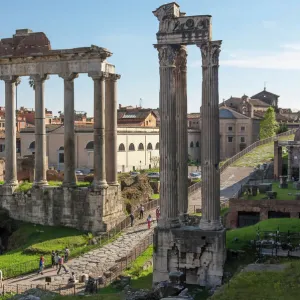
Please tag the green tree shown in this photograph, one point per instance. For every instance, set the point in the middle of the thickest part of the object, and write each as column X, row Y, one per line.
column 282, row 128
column 268, row 125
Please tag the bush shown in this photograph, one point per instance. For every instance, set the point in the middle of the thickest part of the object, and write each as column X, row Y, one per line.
column 89, row 178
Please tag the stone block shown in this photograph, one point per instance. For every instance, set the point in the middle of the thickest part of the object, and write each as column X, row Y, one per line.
column 264, row 187
column 296, row 185
column 271, row 194
column 297, row 196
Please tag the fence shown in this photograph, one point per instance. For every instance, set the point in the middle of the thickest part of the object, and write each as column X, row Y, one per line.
column 31, row 266
column 65, row 289
column 234, row 158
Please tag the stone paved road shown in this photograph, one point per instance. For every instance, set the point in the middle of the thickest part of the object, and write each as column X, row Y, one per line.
column 96, row 261
column 231, row 180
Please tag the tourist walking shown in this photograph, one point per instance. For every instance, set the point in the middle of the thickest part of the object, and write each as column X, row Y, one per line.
column 52, row 259
column 157, row 213
column 56, row 258
column 41, row 265
column 142, row 211
column 61, row 264
column 131, row 219
column 67, row 254
column 149, row 220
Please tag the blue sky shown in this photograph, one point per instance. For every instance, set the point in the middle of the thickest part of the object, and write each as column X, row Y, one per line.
column 261, row 43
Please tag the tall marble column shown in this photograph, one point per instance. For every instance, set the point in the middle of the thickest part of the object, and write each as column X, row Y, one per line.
column 289, row 168
column 210, row 141
column 69, row 130
column 10, row 131
column 40, row 161
column 99, row 130
column 167, row 135
column 181, row 131
column 111, row 124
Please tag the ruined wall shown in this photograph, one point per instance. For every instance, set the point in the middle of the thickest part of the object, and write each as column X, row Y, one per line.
column 79, row 208
column 262, row 207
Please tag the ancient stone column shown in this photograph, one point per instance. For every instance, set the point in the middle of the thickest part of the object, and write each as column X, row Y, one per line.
column 289, row 167
column 181, row 131
column 168, row 136
column 210, row 141
column 10, row 131
column 111, row 128
column 69, row 130
column 99, row 130
column 40, row 160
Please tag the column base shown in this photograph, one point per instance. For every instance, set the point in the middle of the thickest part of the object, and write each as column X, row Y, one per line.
column 169, row 223
column 40, row 183
column 115, row 183
column 11, row 183
column 99, row 185
column 213, row 225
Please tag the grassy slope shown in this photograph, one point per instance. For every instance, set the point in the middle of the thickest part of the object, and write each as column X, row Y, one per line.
column 259, row 155
column 282, row 194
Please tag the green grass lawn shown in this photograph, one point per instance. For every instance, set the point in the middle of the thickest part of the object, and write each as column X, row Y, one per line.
column 260, row 154
column 155, row 196
column 26, row 186
column 30, row 241
column 282, row 285
column 282, row 194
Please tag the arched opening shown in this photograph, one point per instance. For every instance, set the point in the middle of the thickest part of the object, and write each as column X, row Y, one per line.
column 61, row 148
column 32, row 146
column 197, row 144
column 157, row 146
column 149, row 146
column 122, row 147
column 192, row 145
column 141, row 146
column 131, row 147
column 61, row 158
column 90, row 145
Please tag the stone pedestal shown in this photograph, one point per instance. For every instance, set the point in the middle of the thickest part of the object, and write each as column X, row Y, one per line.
column 283, row 182
column 199, row 254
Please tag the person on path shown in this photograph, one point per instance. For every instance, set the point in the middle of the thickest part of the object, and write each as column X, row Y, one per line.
column 52, row 259
column 61, row 265
column 131, row 219
column 157, row 213
column 149, row 220
column 72, row 278
column 56, row 258
column 142, row 211
column 41, row 265
column 67, row 253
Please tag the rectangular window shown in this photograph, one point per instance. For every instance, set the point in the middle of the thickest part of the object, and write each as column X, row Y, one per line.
column 230, row 128
column 230, row 139
column 242, row 139
column 61, row 158
column 243, row 128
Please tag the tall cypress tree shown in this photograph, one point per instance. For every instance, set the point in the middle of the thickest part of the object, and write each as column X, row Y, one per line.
column 268, row 125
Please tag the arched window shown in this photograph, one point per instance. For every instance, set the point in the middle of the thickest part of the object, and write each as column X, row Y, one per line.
column 62, row 148
column 141, row 146
column 32, row 145
column 122, row 147
column 149, row 147
column 191, row 145
column 131, row 147
column 90, row 145
column 197, row 144
column 157, row 146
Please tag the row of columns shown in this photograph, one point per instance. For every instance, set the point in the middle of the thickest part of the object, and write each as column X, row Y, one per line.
column 105, row 130
column 173, row 135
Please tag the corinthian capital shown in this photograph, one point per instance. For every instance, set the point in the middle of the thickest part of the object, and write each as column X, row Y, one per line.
column 8, row 78
column 167, row 55
column 210, row 53
column 39, row 77
column 69, row 76
column 114, row 77
column 98, row 75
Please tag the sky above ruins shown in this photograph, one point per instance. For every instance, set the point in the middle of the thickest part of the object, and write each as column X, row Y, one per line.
column 261, row 45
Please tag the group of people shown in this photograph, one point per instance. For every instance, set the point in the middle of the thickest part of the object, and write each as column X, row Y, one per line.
column 57, row 261
column 141, row 216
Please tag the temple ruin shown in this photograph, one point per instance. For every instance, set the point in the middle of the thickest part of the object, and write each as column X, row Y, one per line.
column 29, row 53
column 198, row 252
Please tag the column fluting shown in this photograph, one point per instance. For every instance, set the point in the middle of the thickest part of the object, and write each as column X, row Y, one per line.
column 210, row 137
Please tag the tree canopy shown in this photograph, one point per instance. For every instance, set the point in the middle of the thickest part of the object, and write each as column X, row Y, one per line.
column 268, row 125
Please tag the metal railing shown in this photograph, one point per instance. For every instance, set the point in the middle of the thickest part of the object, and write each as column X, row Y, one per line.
column 234, row 158
column 32, row 265
column 73, row 289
